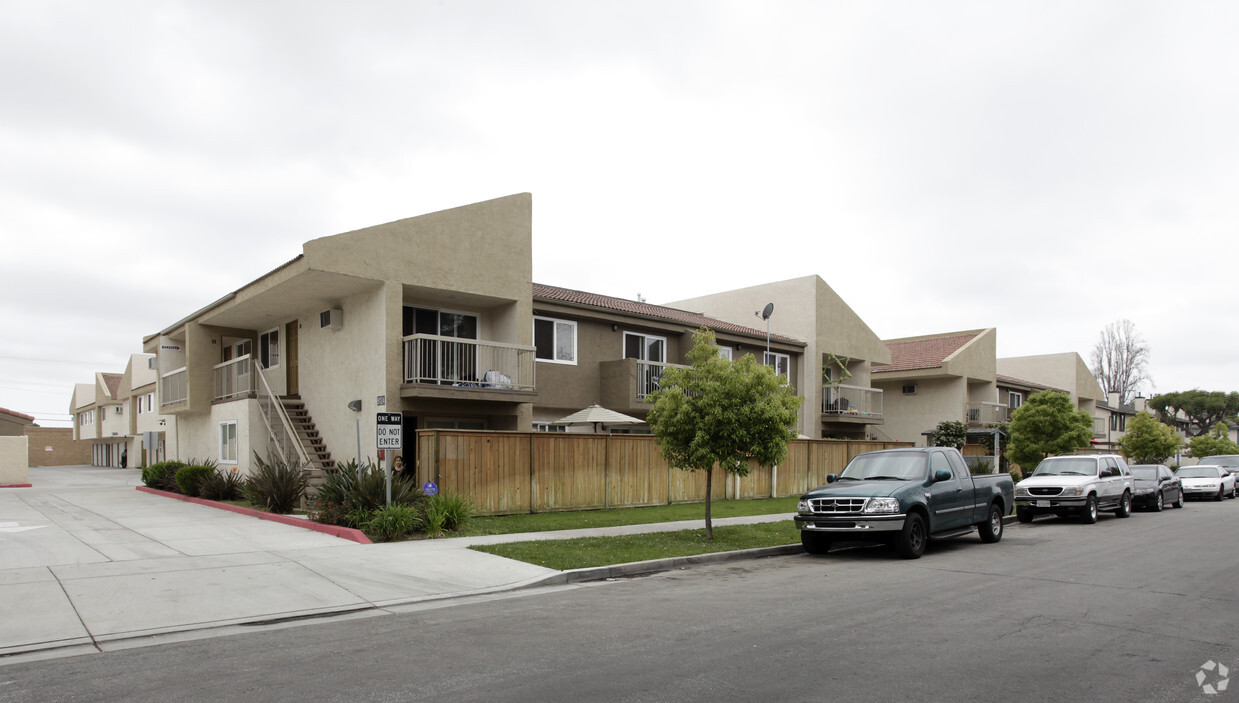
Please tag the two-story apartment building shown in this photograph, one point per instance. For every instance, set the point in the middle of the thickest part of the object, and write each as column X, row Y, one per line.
column 840, row 350
column 1065, row 372
column 117, row 414
column 938, row 377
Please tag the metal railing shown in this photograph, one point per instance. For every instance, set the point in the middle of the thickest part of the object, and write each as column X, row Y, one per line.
column 981, row 414
column 174, row 387
column 838, row 399
column 279, row 428
column 648, row 375
column 234, row 379
column 452, row 361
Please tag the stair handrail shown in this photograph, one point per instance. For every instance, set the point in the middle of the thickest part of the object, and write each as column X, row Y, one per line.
column 270, row 405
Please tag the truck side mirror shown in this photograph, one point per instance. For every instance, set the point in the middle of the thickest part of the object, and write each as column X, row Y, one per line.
column 942, row 475
column 831, row 478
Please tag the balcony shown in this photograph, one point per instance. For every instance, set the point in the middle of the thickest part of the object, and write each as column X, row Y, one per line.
column 851, row 404
column 234, row 379
column 174, row 388
column 627, row 382
column 454, row 367
column 983, row 414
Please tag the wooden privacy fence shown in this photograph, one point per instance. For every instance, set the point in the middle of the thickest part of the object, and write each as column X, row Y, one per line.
column 535, row 472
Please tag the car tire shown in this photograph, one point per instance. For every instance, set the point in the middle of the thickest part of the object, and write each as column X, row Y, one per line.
column 1124, row 509
column 1160, row 502
column 814, row 543
column 1178, row 502
column 1221, row 493
column 991, row 529
column 1088, row 514
column 1025, row 515
column 910, row 544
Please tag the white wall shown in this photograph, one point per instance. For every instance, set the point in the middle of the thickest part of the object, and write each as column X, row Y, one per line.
column 14, row 455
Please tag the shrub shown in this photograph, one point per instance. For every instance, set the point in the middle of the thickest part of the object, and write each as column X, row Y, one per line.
column 982, row 466
column 1016, row 474
column 161, row 475
column 343, row 488
column 276, row 484
column 188, row 478
column 950, row 433
column 445, row 511
column 393, row 522
column 221, row 485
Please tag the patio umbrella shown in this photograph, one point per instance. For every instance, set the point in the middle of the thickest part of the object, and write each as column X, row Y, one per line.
column 595, row 415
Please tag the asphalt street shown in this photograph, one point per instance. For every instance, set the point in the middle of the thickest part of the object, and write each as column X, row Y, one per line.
column 1127, row 609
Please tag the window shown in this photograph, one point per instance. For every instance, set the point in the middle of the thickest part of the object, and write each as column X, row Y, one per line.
column 103, row 413
column 548, row 427
column 782, row 363
column 437, row 322
column 1014, row 400
column 86, row 418
column 228, row 442
column 725, row 352
column 909, row 389
column 555, row 340
column 120, row 410
column 269, row 349
column 150, row 402
column 645, row 347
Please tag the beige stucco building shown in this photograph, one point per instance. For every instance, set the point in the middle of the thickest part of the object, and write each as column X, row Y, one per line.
column 118, row 415
column 840, row 350
column 932, row 378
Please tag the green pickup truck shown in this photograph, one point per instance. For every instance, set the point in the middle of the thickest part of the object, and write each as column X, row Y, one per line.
column 904, row 497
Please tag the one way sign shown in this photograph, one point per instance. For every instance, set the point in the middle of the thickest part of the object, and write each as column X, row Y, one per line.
column 388, row 430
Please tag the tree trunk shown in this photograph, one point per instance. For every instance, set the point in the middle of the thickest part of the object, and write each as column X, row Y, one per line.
column 709, row 492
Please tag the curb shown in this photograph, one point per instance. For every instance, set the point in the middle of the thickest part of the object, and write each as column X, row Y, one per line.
column 304, row 523
column 16, row 485
column 652, row 566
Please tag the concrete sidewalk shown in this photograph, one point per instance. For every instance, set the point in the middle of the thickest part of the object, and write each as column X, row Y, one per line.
column 89, row 563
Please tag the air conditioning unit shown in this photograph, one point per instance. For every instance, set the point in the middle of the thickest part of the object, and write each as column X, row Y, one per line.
column 333, row 318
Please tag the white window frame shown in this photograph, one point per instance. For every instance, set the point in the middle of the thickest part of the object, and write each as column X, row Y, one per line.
column 776, row 356
column 270, row 347
column 645, row 346
column 223, row 448
column 549, row 427
column 555, row 323
column 904, row 389
column 1014, row 399
column 724, row 352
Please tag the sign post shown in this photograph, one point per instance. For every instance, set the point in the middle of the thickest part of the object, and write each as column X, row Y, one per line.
column 388, row 432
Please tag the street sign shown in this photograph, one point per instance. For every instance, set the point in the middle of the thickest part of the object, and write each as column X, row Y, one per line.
column 388, row 430
column 430, row 489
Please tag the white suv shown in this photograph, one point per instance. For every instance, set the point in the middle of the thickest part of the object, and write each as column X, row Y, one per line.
column 1076, row 484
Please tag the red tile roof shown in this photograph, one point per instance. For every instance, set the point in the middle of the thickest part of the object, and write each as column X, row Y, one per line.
column 113, row 382
column 660, row 312
column 14, row 413
column 918, row 354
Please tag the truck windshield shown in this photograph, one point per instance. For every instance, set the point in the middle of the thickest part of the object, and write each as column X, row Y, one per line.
column 890, row 467
column 1078, row 466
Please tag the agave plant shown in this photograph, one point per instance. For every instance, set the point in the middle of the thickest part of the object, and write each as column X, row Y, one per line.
column 276, row 484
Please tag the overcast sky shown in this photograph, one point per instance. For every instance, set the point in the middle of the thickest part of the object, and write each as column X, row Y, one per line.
column 1045, row 168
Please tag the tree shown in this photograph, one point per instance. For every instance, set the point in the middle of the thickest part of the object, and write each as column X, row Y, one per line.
column 721, row 412
column 1149, row 441
column 1045, row 425
column 1203, row 409
column 1120, row 360
column 950, row 433
column 1214, row 443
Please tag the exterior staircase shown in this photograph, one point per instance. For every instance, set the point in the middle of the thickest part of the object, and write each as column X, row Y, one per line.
column 320, row 459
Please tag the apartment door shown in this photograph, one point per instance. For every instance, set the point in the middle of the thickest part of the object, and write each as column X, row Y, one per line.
column 290, row 354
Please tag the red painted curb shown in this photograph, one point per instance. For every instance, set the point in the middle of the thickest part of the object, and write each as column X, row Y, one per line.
column 16, row 485
column 333, row 530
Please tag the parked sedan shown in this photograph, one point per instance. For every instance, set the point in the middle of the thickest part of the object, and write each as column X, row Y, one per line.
column 1156, row 486
column 1202, row 481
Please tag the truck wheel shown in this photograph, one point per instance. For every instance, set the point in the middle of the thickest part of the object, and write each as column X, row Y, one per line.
column 1025, row 515
column 1124, row 506
column 814, row 543
column 910, row 544
column 1088, row 515
column 991, row 529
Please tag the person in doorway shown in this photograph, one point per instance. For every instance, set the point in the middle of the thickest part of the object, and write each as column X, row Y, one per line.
column 398, row 467
column 124, row 459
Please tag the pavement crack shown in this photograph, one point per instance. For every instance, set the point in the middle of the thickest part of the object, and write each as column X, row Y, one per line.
column 94, row 642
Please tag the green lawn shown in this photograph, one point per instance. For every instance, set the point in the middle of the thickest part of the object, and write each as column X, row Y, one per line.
column 542, row 522
column 602, row 551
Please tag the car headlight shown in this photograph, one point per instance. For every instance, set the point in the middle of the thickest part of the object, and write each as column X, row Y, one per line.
column 882, row 505
column 1072, row 490
column 1021, row 491
column 803, row 507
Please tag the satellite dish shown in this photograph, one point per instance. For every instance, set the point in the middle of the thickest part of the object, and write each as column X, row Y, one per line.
column 767, row 311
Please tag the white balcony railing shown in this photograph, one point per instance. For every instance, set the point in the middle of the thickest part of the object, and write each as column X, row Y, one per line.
column 838, row 399
column 981, row 414
column 234, row 379
column 174, row 387
column 648, row 375
column 475, row 363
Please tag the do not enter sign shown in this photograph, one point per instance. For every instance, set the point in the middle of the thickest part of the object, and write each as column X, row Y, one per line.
column 388, row 430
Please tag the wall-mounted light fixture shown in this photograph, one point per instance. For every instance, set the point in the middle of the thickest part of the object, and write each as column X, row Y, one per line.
column 615, row 328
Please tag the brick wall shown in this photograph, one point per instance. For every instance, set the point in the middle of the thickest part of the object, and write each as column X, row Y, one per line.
column 64, row 450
